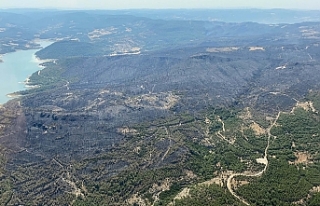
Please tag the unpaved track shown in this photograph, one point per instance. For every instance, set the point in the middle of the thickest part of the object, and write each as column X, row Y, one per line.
column 169, row 147
column 247, row 174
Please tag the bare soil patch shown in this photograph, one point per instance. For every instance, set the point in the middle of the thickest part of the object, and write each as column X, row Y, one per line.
column 257, row 129
column 307, row 106
column 302, row 158
column 222, row 49
column 256, row 48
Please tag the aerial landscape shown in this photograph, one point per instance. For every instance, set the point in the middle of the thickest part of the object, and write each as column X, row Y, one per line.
column 160, row 104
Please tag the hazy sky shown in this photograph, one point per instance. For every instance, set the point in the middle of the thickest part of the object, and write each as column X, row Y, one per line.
column 160, row 4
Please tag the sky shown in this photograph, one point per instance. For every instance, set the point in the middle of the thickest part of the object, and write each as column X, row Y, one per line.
column 160, row 4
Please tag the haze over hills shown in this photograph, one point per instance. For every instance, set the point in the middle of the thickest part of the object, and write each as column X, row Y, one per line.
column 268, row 16
column 165, row 107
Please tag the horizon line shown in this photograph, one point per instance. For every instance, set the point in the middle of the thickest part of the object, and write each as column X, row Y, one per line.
column 125, row 9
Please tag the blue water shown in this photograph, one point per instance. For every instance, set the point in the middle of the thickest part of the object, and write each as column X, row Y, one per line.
column 15, row 69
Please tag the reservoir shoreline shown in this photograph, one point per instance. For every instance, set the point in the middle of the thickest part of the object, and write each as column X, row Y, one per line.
column 16, row 68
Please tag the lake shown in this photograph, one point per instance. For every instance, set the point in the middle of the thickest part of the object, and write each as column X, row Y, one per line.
column 16, row 68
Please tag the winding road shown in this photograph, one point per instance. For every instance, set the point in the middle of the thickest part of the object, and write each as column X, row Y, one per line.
column 247, row 174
